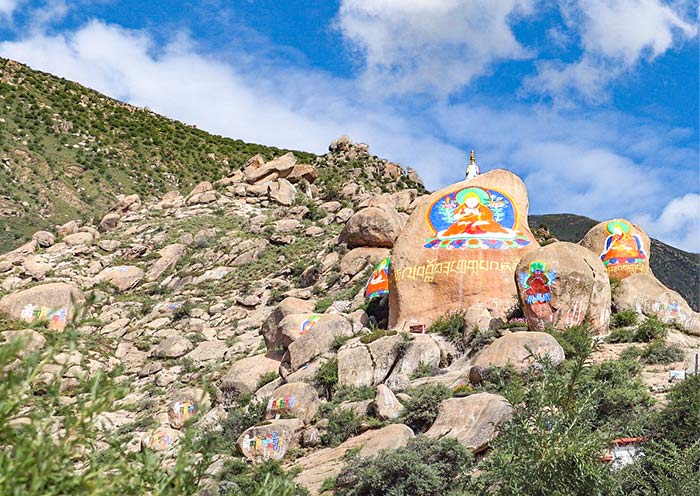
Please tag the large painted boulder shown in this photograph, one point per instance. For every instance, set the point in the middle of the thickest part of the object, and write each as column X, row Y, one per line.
column 563, row 285
column 623, row 247
column 296, row 399
column 460, row 247
column 644, row 294
column 55, row 302
column 270, row 441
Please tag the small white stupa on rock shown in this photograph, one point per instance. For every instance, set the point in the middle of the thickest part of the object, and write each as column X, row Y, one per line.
column 472, row 168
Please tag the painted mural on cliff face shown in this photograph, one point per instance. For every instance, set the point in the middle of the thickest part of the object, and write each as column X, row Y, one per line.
column 475, row 218
column 623, row 247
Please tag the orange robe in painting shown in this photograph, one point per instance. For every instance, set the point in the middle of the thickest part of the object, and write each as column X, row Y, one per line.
column 379, row 282
column 473, row 220
column 622, row 245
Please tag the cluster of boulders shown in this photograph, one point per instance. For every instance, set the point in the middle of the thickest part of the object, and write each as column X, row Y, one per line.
column 236, row 283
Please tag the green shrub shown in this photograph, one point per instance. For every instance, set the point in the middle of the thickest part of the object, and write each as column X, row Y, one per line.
column 625, row 318
column 451, row 326
column 576, row 341
column 656, row 352
column 616, row 389
column 679, row 421
column 376, row 334
column 342, row 424
column 425, row 467
column 59, row 450
column 267, row 378
column 664, row 470
column 353, row 393
column 550, row 447
column 651, row 329
column 323, row 304
column 424, row 370
column 621, row 335
column 265, row 479
column 421, row 410
column 326, row 377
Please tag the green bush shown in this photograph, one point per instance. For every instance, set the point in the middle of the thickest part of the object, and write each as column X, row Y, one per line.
column 625, row 318
column 576, row 341
column 421, row 410
column 616, row 389
column 376, row 334
column 58, row 450
column 342, row 424
column 266, row 479
column 326, row 378
column 679, row 421
column 664, row 470
column 550, row 447
column 426, row 467
column 451, row 326
column 267, row 378
column 651, row 329
column 656, row 352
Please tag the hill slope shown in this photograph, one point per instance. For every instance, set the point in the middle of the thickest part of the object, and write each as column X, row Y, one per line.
column 67, row 151
column 677, row 269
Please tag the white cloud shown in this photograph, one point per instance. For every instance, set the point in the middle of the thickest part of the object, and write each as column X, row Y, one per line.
column 629, row 30
column 615, row 35
column 275, row 105
column 573, row 163
column 7, row 7
column 678, row 223
column 596, row 164
column 435, row 46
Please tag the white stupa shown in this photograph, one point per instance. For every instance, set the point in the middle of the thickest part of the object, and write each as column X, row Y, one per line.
column 472, row 169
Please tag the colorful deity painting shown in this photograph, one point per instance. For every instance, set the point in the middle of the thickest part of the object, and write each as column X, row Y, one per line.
column 184, row 410
column 308, row 323
column 56, row 317
column 537, row 283
column 622, row 247
column 378, row 283
column 264, row 446
column 281, row 405
column 475, row 218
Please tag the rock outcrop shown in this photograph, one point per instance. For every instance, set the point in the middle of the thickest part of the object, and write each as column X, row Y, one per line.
column 460, row 247
column 326, row 463
column 517, row 349
column 55, row 302
column 644, row 294
column 563, row 285
column 472, row 420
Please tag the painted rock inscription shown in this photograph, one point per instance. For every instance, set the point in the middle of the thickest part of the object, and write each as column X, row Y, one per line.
column 461, row 247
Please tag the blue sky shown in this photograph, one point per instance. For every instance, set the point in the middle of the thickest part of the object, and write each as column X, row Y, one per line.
column 593, row 102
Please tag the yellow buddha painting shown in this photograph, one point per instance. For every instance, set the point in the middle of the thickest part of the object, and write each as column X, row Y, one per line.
column 622, row 246
column 474, row 218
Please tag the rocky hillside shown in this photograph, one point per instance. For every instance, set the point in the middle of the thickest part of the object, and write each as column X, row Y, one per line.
column 676, row 268
column 67, row 151
column 212, row 336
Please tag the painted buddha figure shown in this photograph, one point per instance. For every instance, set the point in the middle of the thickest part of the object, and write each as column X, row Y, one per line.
column 621, row 245
column 473, row 218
